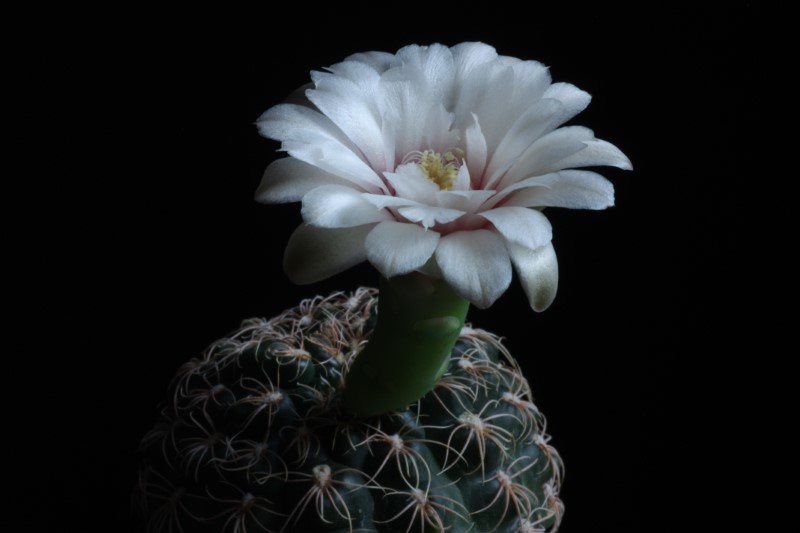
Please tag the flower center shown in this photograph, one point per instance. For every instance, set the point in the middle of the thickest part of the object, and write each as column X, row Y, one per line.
column 441, row 169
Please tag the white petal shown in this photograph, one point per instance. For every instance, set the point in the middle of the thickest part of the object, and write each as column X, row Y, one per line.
column 574, row 189
column 310, row 136
column 538, row 273
column 334, row 206
column 353, row 109
column 436, row 65
column 564, row 148
column 536, row 181
column 475, row 151
column 429, row 216
column 486, row 94
column 573, row 99
column 382, row 201
column 560, row 102
column 364, row 76
column 596, row 153
column 338, row 160
column 405, row 104
column 314, row 254
column 545, row 154
column 289, row 179
column 396, row 248
column 462, row 182
column 380, row 61
column 475, row 264
column 467, row 56
column 540, row 118
column 521, row 225
column 531, row 80
column 410, row 182
column 468, row 201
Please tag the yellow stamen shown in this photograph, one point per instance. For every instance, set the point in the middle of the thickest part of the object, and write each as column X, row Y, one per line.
column 441, row 169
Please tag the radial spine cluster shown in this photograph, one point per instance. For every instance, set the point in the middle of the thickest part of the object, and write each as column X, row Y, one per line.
column 253, row 438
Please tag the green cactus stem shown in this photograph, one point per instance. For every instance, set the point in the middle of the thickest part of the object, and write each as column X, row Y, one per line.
column 419, row 321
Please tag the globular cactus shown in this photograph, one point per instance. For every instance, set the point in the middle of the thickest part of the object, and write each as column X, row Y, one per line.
column 254, row 437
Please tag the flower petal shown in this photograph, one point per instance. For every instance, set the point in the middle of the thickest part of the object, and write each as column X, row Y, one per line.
column 538, row 119
column 467, row 56
column 520, row 225
column 352, row 108
column 382, row 201
column 573, row 99
column 597, row 153
column 574, row 189
column 538, row 273
column 435, row 62
column 429, row 216
column 289, row 179
column 475, row 264
column 399, row 248
column 564, row 148
column 380, row 61
column 310, row 136
column 560, row 102
column 476, row 151
column 334, row 206
column 468, row 201
column 314, row 254
column 410, row 182
column 544, row 155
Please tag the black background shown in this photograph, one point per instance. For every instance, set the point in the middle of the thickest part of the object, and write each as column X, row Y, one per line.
column 156, row 247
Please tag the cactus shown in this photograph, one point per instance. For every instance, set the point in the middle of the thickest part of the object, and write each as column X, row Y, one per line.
column 254, row 437
column 386, row 413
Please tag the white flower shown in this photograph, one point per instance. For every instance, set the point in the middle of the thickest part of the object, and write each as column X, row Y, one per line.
column 438, row 160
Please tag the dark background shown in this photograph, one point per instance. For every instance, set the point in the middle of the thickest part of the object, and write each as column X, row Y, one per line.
column 158, row 247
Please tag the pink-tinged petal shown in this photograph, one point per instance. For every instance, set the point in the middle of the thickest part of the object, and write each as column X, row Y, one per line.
column 289, row 179
column 410, row 182
column 334, row 206
column 429, row 216
column 520, row 225
column 574, row 189
column 538, row 273
column 314, row 254
column 468, row 201
column 596, row 153
column 396, row 248
column 475, row 264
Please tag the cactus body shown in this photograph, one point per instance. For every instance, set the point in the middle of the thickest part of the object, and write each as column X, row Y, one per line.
column 254, row 438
